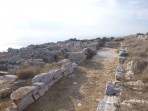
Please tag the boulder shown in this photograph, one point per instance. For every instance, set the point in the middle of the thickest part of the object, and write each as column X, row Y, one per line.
column 122, row 59
column 109, row 103
column 3, row 67
column 129, row 75
column 14, row 60
column 43, row 77
column 111, row 89
column 58, row 74
column 23, row 96
column 112, row 44
column 77, row 57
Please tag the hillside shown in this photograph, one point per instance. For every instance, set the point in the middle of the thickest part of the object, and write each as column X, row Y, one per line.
column 91, row 64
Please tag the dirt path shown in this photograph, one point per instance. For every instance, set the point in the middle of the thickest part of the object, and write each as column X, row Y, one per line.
column 82, row 90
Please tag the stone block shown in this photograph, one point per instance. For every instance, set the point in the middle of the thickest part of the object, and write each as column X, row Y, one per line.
column 43, row 90
column 111, row 89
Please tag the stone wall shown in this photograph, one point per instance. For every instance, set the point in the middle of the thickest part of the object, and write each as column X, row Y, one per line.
column 25, row 96
column 112, row 44
column 110, row 101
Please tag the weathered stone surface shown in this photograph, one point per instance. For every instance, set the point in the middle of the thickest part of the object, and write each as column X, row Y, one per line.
column 66, row 73
column 43, row 90
column 138, row 83
column 128, row 105
column 123, row 54
column 77, row 57
column 39, row 84
column 58, row 74
column 3, row 67
column 109, row 103
column 14, row 60
column 51, row 83
column 119, row 76
column 22, row 97
column 119, row 72
column 22, row 92
column 36, row 96
column 43, row 77
column 111, row 89
column 2, row 73
column 71, row 70
column 112, row 44
column 129, row 75
column 129, row 66
column 64, row 61
column 122, row 59
column 67, row 66
column 74, row 65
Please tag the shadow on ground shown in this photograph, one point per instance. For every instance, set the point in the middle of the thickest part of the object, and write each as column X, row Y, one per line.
column 92, row 65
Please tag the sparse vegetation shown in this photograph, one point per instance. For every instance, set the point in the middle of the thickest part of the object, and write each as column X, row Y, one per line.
column 138, row 52
column 26, row 72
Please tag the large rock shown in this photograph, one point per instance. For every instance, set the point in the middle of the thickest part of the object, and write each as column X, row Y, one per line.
column 14, row 60
column 23, row 96
column 43, row 77
column 122, row 59
column 77, row 57
column 3, row 67
column 112, row 44
column 119, row 72
column 111, row 89
column 58, row 74
column 109, row 103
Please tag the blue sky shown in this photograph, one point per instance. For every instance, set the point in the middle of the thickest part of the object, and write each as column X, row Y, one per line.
column 24, row 22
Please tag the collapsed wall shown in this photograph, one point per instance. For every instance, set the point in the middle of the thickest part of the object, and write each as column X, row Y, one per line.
column 110, row 101
column 24, row 96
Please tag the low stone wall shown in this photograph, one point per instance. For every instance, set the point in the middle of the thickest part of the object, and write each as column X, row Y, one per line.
column 110, row 101
column 25, row 96
column 78, row 57
column 112, row 44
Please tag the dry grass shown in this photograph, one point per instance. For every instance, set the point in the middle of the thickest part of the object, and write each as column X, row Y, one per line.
column 138, row 52
column 4, row 104
column 3, row 61
column 26, row 71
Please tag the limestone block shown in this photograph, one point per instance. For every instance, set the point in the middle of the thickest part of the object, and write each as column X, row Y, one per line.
column 66, row 73
column 51, row 83
column 43, row 77
column 39, row 84
column 43, row 90
column 71, row 70
column 58, row 74
column 36, row 96
column 22, row 97
column 111, row 89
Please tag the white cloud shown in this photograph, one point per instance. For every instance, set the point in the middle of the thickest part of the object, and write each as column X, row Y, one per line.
column 38, row 21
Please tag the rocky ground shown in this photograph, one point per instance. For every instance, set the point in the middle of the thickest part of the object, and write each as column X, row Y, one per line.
column 83, row 89
column 18, row 66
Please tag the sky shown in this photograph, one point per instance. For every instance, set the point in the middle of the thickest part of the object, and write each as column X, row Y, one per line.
column 25, row 22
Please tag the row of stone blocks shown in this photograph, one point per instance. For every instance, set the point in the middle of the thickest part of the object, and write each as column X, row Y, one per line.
column 25, row 96
column 111, row 100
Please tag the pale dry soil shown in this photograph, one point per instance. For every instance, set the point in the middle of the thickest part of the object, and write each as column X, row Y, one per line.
column 83, row 89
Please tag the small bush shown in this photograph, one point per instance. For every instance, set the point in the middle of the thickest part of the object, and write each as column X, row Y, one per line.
column 3, row 61
column 27, row 72
column 90, row 54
